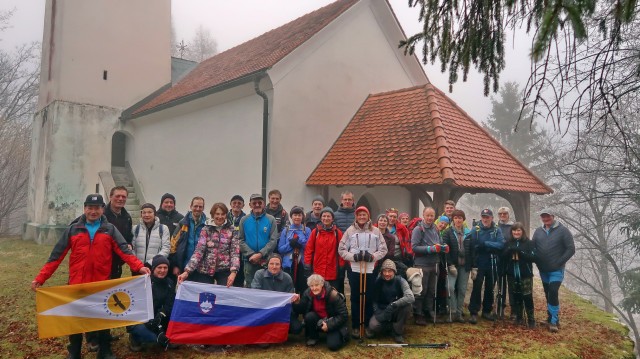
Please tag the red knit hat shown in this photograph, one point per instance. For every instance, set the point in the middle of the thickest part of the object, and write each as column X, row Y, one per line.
column 363, row 208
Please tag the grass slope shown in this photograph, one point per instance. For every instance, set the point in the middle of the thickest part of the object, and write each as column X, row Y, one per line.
column 586, row 331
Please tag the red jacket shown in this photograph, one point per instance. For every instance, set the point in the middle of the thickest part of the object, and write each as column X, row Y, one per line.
column 321, row 252
column 405, row 240
column 89, row 261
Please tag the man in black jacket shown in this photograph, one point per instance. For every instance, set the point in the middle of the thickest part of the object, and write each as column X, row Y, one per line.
column 167, row 212
column 118, row 216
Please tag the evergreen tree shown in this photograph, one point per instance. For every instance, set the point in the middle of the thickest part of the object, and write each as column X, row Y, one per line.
column 525, row 141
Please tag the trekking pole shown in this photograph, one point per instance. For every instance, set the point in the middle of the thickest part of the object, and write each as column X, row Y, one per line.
column 361, row 302
column 435, row 297
column 494, row 281
column 404, row 345
column 446, row 266
column 364, row 299
column 296, row 258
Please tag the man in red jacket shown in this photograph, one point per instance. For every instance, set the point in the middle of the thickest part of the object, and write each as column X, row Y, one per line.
column 92, row 241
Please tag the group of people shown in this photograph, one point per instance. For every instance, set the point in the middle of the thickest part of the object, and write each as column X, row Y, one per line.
column 395, row 265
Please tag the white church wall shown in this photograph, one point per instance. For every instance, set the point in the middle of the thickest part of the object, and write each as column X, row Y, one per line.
column 74, row 144
column 192, row 150
column 320, row 86
column 83, row 42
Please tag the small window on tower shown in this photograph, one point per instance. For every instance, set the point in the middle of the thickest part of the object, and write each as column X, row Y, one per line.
column 104, row 74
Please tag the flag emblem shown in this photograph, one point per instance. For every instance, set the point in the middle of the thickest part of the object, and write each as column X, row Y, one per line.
column 118, row 302
column 88, row 307
column 206, row 301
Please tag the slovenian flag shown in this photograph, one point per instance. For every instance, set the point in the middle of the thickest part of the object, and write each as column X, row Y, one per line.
column 88, row 307
column 213, row 314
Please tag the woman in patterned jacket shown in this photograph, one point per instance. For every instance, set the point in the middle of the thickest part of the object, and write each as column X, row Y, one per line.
column 216, row 258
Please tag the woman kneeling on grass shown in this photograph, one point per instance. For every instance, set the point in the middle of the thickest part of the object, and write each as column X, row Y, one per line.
column 324, row 310
column 519, row 256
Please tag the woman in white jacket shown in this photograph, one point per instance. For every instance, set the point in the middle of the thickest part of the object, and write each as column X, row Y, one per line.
column 362, row 245
column 150, row 237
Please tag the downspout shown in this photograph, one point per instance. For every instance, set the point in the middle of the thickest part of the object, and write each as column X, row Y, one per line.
column 265, row 132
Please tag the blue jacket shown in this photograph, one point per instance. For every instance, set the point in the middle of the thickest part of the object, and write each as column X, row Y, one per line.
column 258, row 234
column 284, row 246
column 553, row 248
column 184, row 240
column 486, row 243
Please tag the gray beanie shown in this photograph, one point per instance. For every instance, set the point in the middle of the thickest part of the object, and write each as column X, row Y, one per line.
column 327, row 209
column 318, row 198
column 388, row 264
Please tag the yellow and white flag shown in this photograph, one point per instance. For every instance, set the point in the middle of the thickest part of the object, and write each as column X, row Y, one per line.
column 87, row 307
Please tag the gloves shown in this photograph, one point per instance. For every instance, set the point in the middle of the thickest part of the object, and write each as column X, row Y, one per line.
column 367, row 257
column 445, row 248
column 436, row 248
column 473, row 274
column 358, row 257
column 293, row 242
column 308, row 270
column 452, row 270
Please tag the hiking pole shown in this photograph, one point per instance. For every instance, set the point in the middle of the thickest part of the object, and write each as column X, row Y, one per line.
column 435, row 297
column 364, row 300
column 446, row 266
column 296, row 258
column 361, row 302
column 424, row 345
column 494, row 281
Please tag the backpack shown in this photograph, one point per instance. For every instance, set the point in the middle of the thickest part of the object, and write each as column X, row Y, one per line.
column 137, row 230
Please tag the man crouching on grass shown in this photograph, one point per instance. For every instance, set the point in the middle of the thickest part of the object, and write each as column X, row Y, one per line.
column 92, row 241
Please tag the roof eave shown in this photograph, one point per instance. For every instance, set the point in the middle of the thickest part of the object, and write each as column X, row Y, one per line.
column 199, row 94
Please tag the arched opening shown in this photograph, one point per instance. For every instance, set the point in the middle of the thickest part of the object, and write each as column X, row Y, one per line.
column 370, row 202
column 333, row 205
column 118, row 149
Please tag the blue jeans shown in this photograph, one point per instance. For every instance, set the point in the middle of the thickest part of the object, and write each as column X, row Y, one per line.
column 551, row 282
column 142, row 334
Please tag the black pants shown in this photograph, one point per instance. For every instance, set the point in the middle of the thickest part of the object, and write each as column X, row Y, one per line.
column 398, row 319
column 523, row 298
column 299, row 279
column 484, row 276
column 101, row 336
column 335, row 340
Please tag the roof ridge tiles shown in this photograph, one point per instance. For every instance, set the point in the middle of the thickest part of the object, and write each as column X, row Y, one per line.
column 444, row 161
column 454, row 104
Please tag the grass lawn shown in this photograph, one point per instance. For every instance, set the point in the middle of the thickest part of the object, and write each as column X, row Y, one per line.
column 586, row 331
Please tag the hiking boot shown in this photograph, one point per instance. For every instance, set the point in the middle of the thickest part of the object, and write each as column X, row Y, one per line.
column 513, row 317
column 473, row 319
column 134, row 345
column 398, row 339
column 355, row 333
column 421, row 320
column 531, row 324
column 264, row 345
column 93, row 346
column 553, row 328
column 369, row 334
column 459, row 318
column 489, row 316
column 311, row 342
column 105, row 354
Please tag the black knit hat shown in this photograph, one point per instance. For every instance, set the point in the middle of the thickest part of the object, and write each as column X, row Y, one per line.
column 165, row 196
column 148, row 205
column 318, row 198
column 158, row 260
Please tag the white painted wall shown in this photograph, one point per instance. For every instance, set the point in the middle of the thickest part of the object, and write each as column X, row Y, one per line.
column 193, row 150
column 70, row 148
column 128, row 39
column 321, row 85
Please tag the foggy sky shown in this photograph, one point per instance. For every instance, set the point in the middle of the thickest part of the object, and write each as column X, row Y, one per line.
column 234, row 22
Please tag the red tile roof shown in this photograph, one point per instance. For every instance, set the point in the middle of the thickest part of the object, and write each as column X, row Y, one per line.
column 252, row 56
column 418, row 136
